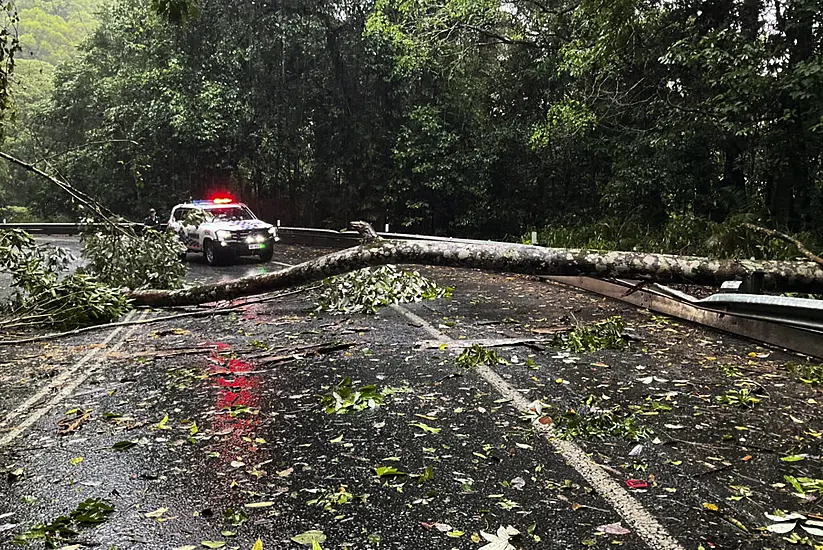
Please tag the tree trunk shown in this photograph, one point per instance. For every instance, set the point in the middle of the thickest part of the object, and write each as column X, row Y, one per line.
column 501, row 257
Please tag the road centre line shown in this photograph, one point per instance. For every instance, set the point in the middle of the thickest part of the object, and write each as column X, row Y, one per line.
column 67, row 390
column 633, row 513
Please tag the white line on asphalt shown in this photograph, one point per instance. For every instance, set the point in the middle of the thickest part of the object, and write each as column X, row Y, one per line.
column 644, row 524
column 74, row 370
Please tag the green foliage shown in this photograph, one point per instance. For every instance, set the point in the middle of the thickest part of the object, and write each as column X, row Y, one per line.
column 681, row 234
column 367, row 290
column 456, row 117
column 44, row 296
column 9, row 46
column 475, row 355
column 331, row 500
column 149, row 260
column 808, row 374
column 594, row 421
column 92, row 511
column 605, row 334
column 345, row 398
column 16, row 214
column 805, row 485
column 176, row 11
column 743, row 398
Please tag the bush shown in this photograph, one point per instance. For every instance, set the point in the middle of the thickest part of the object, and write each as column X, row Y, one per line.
column 16, row 214
column 683, row 234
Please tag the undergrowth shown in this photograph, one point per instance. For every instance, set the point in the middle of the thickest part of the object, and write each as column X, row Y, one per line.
column 808, row 374
column 366, row 290
column 683, row 234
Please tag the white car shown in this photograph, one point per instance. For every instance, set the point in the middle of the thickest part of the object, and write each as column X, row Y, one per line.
column 222, row 229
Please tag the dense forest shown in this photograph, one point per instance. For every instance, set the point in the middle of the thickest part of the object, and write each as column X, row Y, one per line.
column 603, row 123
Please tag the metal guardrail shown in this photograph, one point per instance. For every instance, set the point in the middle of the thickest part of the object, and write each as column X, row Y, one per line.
column 338, row 239
column 57, row 228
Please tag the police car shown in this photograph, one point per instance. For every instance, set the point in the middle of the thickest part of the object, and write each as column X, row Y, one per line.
column 221, row 229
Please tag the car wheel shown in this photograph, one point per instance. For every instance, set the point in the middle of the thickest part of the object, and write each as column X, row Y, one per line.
column 211, row 253
column 267, row 254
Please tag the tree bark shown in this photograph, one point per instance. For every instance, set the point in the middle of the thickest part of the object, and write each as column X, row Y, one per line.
column 501, row 257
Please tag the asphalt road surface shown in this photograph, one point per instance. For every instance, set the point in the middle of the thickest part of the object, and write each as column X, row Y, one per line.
column 236, row 425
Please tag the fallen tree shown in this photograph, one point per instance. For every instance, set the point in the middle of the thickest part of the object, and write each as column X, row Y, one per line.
column 501, row 257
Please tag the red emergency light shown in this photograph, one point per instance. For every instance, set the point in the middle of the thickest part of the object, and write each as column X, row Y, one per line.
column 222, row 200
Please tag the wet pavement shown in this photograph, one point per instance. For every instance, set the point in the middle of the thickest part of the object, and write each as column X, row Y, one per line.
column 213, row 430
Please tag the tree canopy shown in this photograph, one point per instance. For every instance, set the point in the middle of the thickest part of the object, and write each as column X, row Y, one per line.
column 481, row 117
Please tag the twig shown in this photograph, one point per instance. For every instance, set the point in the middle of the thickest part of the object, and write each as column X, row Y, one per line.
column 110, row 325
column 788, row 238
column 214, row 311
column 67, row 427
column 714, row 471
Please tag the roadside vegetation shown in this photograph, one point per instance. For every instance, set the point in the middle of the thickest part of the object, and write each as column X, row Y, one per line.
column 532, row 117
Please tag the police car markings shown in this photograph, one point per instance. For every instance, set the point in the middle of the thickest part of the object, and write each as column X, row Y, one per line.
column 644, row 524
column 74, row 370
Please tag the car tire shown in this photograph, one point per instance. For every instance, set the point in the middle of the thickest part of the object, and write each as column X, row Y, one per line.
column 267, row 254
column 211, row 253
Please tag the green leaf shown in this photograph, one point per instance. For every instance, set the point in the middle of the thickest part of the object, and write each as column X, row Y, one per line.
column 425, row 427
column 309, row 538
column 123, row 445
column 793, row 458
column 163, row 424
column 213, row 543
column 384, row 471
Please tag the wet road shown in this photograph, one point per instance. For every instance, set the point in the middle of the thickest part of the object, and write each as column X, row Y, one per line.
column 212, row 430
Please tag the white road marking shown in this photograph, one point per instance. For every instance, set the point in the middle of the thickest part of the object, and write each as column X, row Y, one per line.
column 632, row 512
column 73, row 371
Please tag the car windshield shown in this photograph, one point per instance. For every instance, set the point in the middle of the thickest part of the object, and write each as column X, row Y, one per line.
column 229, row 213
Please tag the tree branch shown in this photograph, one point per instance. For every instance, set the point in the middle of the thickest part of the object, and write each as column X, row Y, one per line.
column 788, row 238
column 81, row 197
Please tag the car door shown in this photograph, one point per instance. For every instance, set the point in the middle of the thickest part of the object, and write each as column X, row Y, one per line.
column 187, row 233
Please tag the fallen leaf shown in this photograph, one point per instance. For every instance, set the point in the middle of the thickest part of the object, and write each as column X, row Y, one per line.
column 264, row 504
column 613, row 529
column 500, row 540
column 309, row 538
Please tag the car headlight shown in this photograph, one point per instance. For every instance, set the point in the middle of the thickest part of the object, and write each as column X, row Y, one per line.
column 223, row 235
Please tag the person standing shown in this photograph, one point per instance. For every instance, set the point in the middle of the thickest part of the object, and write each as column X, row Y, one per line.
column 151, row 220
